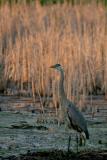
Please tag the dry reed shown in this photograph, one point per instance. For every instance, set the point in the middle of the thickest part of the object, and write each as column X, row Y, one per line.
column 33, row 37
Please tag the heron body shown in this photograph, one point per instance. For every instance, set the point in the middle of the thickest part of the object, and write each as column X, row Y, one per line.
column 76, row 118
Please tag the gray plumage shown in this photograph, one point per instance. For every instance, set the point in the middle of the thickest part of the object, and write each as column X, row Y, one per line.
column 77, row 120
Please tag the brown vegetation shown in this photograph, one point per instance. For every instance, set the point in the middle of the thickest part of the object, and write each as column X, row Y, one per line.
column 33, row 37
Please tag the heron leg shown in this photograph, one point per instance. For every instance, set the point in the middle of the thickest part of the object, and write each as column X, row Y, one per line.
column 77, row 142
column 69, row 142
column 82, row 140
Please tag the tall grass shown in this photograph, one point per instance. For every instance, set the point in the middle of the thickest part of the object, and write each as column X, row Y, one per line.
column 33, row 37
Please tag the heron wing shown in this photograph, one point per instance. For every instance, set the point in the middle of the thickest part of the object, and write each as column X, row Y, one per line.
column 76, row 118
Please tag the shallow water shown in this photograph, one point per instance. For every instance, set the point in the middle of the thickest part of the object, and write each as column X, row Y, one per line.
column 16, row 141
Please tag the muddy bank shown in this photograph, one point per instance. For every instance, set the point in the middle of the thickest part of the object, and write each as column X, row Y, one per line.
column 20, row 132
column 59, row 155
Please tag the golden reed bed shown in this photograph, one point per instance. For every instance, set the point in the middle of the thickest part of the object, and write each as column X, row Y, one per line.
column 34, row 37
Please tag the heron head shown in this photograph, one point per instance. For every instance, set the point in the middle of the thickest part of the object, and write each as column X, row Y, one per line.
column 57, row 67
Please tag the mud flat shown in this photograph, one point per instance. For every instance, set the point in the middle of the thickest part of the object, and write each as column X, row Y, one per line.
column 22, row 132
column 32, row 135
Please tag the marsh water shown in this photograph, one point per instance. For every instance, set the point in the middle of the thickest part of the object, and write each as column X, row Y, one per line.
column 22, row 131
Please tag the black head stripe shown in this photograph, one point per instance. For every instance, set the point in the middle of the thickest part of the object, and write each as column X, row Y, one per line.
column 57, row 65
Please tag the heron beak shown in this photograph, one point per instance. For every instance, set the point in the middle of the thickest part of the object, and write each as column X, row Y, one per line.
column 52, row 66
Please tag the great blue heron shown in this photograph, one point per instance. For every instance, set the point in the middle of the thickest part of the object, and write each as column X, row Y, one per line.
column 76, row 119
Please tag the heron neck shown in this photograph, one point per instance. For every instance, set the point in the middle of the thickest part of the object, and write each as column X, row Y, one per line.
column 61, row 86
